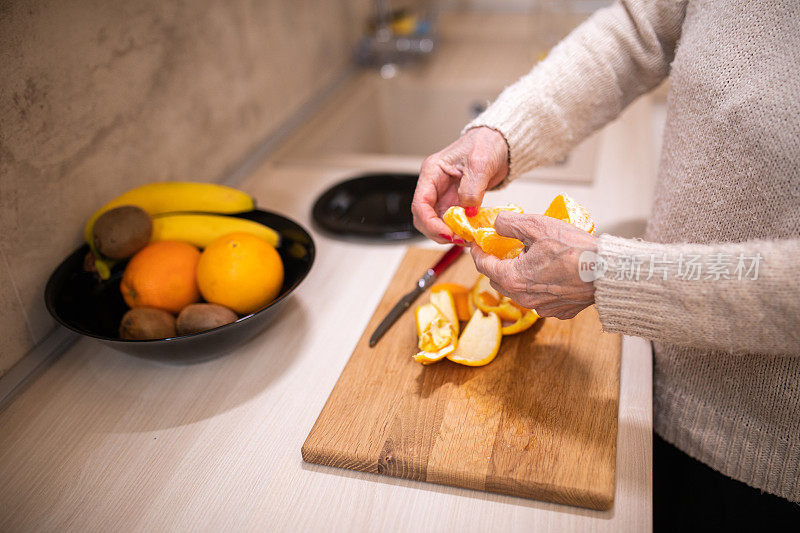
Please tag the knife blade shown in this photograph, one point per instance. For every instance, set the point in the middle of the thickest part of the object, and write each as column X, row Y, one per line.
column 423, row 283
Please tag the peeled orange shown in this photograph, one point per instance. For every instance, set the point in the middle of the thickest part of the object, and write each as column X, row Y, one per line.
column 565, row 208
column 240, row 271
column 464, row 226
column 162, row 275
column 480, row 229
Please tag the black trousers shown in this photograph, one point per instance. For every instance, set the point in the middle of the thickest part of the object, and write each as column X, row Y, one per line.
column 690, row 496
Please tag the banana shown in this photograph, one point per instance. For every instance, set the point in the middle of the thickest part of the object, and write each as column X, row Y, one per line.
column 202, row 229
column 174, row 196
column 170, row 196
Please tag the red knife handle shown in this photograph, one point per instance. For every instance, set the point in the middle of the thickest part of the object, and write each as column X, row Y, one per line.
column 447, row 259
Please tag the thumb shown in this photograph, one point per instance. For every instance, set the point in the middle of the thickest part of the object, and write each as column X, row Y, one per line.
column 526, row 228
column 474, row 181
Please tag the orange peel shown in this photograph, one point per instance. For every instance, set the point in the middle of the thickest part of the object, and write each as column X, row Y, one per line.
column 437, row 336
column 489, row 300
column 446, row 304
column 480, row 342
column 460, row 297
column 524, row 322
column 515, row 318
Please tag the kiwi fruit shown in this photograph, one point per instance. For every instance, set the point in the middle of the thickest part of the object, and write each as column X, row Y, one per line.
column 122, row 231
column 147, row 323
column 200, row 317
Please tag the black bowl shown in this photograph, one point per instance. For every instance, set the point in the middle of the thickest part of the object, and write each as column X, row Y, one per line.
column 79, row 302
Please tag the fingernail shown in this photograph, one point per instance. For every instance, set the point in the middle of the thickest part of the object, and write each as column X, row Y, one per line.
column 460, row 241
column 446, row 237
column 471, row 211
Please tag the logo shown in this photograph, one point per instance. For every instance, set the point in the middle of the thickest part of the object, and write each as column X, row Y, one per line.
column 591, row 266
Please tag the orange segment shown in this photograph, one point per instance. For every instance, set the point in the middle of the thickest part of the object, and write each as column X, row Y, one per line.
column 486, row 216
column 480, row 228
column 565, row 208
column 497, row 245
column 460, row 296
column 456, row 219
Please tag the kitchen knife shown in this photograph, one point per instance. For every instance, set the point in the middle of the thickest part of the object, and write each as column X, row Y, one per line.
column 422, row 283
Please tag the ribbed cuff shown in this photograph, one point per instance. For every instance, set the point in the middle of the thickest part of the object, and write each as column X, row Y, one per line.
column 630, row 294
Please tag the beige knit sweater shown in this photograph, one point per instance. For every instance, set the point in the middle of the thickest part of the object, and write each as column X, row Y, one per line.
column 716, row 283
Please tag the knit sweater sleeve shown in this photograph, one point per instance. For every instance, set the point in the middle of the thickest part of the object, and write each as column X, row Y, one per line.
column 586, row 80
column 739, row 297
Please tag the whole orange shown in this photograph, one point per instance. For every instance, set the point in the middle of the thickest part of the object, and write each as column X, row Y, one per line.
column 162, row 275
column 240, row 271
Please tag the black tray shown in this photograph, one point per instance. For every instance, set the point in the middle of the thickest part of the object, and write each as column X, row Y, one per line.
column 376, row 206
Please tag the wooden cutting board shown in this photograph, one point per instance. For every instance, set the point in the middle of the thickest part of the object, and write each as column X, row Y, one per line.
column 539, row 422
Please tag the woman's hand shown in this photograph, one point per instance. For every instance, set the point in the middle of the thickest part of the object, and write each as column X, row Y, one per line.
column 458, row 175
column 545, row 276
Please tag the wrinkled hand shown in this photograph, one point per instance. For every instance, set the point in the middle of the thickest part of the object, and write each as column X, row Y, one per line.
column 458, row 175
column 544, row 276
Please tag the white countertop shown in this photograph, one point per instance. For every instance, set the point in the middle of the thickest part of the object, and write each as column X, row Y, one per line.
column 104, row 441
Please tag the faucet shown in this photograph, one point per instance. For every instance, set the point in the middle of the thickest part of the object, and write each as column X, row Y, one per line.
column 396, row 38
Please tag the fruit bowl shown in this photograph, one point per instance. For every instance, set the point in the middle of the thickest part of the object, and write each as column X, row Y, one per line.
column 94, row 309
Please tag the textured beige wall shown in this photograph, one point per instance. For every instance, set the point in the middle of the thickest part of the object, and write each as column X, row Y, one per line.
column 98, row 96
